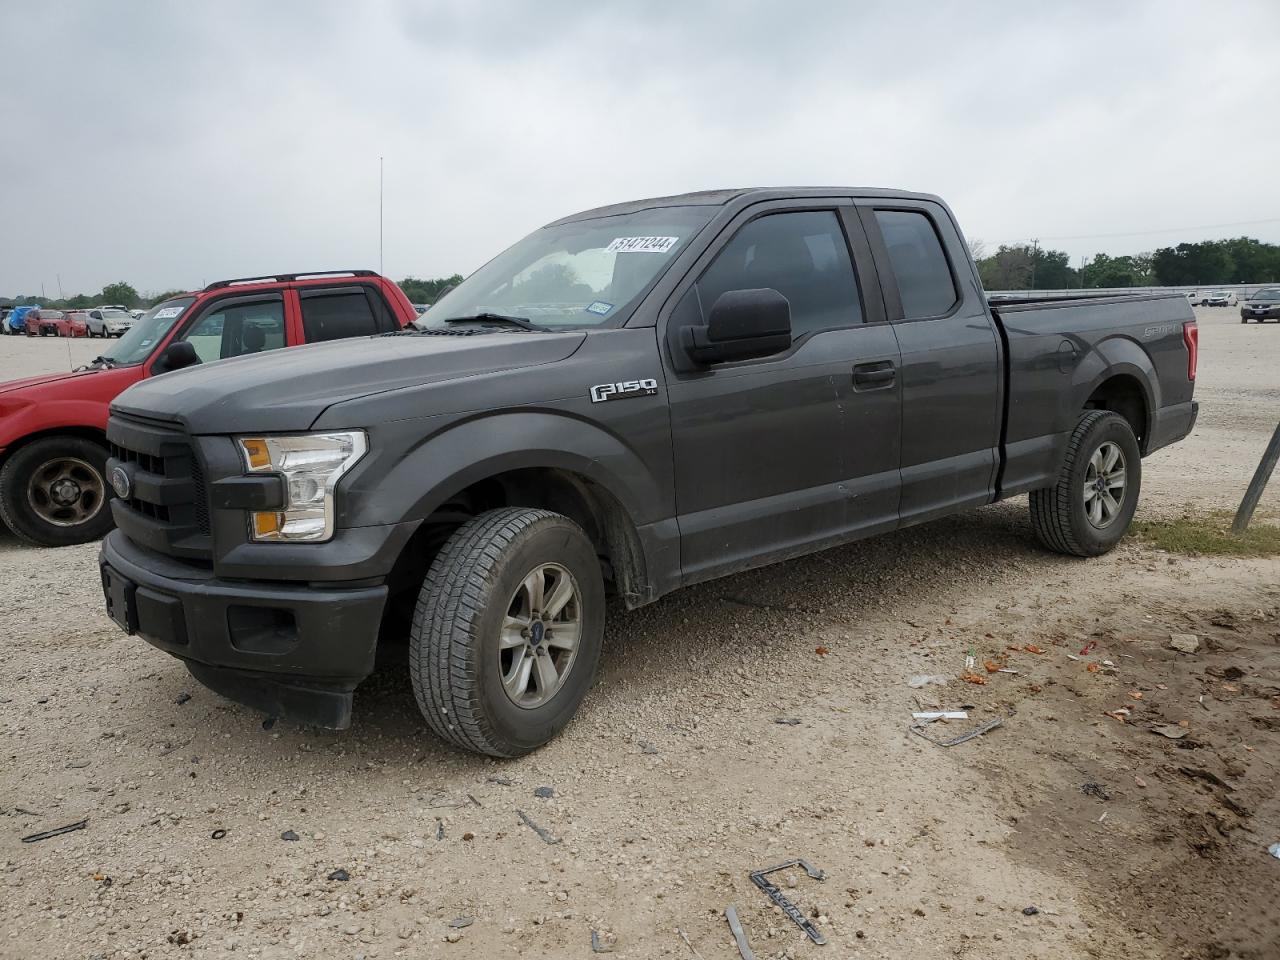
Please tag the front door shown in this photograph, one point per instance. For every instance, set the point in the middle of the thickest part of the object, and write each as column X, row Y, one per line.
column 788, row 453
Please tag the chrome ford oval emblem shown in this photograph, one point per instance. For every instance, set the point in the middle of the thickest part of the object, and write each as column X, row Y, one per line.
column 121, row 483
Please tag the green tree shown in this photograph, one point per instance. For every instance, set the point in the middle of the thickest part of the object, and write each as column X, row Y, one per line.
column 427, row 291
column 121, row 293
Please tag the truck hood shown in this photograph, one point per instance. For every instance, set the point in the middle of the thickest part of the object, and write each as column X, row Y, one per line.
column 47, row 378
column 286, row 390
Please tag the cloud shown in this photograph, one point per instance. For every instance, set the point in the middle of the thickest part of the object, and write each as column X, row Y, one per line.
column 173, row 144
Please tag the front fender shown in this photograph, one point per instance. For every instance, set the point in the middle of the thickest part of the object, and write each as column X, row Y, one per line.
column 19, row 420
column 420, row 465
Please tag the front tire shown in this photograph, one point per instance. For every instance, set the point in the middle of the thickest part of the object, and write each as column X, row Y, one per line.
column 53, row 492
column 1090, row 507
column 507, row 631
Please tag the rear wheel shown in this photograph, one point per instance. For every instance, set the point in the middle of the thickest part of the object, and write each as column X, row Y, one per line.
column 507, row 631
column 53, row 492
column 1090, row 507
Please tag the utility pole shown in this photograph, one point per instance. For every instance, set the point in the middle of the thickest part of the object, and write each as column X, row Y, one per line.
column 60, row 294
column 1035, row 255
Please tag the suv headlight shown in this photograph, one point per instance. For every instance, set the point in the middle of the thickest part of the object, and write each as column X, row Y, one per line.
column 312, row 464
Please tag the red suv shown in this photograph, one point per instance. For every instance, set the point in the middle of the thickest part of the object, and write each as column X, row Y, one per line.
column 53, row 447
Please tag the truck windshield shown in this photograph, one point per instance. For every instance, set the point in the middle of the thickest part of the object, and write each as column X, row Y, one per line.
column 136, row 345
column 586, row 273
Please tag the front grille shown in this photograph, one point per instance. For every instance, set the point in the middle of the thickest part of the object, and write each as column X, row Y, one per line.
column 167, row 508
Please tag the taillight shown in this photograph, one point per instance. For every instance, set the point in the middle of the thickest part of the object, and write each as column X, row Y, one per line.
column 1191, row 337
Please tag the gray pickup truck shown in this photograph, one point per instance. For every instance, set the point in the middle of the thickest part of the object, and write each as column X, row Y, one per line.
column 627, row 401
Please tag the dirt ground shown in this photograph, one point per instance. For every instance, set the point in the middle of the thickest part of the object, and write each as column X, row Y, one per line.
column 679, row 776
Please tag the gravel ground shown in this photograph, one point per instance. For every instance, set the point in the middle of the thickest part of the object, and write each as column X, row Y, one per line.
column 678, row 777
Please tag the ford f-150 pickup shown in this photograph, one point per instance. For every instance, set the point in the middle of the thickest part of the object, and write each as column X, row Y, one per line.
column 53, row 445
column 628, row 400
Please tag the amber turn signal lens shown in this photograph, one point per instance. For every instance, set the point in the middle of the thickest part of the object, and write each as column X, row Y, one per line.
column 256, row 453
column 266, row 525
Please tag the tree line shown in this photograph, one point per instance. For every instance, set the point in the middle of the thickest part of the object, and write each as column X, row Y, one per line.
column 1026, row 266
column 1019, row 266
column 126, row 295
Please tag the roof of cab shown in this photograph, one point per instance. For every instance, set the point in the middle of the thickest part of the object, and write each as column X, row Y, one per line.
column 716, row 198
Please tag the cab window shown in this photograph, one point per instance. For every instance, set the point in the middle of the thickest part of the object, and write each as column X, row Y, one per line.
column 802, row 255
column 237, row 330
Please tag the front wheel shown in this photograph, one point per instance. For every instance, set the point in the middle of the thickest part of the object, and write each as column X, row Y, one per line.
column 1090, row 507
column 507, row 631
column 53, row 492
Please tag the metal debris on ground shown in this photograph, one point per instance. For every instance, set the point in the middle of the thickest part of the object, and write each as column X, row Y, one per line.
column 542, row 832
column 919, row 730
column 439, row 829
column 339, row 874
column 500, row 780
column 598, row 944
column 57, row 831
column 474, row 800
column 289, row 835
column 739, row 935
column 761, row 879
column 941, row 715
column 787, row 721
column 218, row 834
column 460, row 922
column 685, row 937
column 1092, row 789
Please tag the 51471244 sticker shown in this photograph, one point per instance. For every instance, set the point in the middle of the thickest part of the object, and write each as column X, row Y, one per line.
column 642, row 244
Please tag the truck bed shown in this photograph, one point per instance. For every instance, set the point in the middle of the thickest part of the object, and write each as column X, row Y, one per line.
column 1062, row 351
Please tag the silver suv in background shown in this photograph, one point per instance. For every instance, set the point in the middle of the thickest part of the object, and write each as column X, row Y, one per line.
column 109, row 321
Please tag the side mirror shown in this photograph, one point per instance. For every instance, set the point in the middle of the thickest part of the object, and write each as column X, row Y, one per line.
column 742, row 325
column 176, row 355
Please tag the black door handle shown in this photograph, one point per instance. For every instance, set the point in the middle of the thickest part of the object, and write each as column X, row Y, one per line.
column 874, row 376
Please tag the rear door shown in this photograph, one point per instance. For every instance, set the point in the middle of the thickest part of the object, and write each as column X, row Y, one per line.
column 787, row 453
column 951, row 375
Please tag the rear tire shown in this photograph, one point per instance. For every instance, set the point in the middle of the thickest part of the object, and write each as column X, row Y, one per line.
column 29, row 509
column 1086, row 513
column 496, row 580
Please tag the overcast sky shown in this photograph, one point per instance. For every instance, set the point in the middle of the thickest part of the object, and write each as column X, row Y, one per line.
column 170, row 144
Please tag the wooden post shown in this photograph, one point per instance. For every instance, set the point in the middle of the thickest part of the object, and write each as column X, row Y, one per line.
column 1257, row 485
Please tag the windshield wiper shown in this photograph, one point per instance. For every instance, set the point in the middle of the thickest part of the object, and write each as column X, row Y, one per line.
column 522, row 322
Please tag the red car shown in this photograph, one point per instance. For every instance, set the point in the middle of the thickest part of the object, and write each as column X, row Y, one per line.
column 53, row 446
column 56, row 323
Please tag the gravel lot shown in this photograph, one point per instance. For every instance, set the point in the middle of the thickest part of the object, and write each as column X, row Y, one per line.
column 678, row 779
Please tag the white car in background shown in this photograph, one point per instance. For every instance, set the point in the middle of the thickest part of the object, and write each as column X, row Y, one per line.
column 1219, row 298
column 109, row 321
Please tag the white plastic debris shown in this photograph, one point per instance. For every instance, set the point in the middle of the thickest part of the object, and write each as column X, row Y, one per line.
column 941, row 715
column 924, row 680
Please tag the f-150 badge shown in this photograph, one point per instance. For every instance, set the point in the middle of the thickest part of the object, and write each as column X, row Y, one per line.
column 624, row 389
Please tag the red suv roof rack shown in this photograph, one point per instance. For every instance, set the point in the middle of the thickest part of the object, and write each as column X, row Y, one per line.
column 289, row 277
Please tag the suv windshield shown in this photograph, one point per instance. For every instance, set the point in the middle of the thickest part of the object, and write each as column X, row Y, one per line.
column 1267, row 293
column 586, row 273
column 136, row 345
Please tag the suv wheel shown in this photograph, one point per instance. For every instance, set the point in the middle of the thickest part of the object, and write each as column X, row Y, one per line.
column 507, row 631
column 1090, row 507
column 53, row 492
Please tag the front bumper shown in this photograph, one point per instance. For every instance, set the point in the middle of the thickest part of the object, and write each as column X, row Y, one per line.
column 1268, row 313
column 289, row 650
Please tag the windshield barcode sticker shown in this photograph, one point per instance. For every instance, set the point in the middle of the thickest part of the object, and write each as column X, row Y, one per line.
column 168, row 313
column 642, row 244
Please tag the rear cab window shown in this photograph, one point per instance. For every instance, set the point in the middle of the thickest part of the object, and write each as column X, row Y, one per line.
column 925, row 283
column 336, row 313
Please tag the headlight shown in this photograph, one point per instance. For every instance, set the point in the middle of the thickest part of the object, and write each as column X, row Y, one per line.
column 312, row 464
